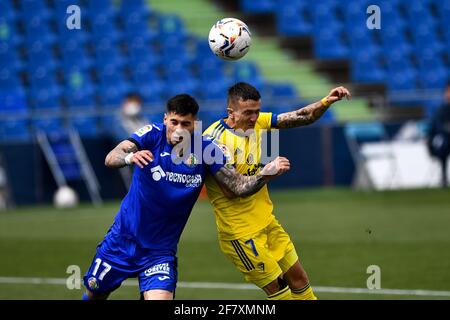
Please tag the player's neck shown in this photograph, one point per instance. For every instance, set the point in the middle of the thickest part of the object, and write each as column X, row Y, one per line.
column 232, row 124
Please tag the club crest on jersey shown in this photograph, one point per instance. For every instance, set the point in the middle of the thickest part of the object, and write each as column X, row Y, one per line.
column 250, row 159
column 92, row 283
column 261, row 266
column 191, row 161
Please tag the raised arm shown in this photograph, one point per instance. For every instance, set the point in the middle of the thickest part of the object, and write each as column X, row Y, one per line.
column 126, row 153
column 234, row 184
column 312, row 112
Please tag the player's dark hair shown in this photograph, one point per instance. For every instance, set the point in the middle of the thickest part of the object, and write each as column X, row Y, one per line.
column 182, row 104
column 244, row 91
column 133, row 96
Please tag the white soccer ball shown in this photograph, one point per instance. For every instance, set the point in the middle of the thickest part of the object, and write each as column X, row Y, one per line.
column 65, row 197
column 230, row 39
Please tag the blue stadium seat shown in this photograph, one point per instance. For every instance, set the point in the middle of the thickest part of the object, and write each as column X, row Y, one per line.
column 214, row 89
column 294, row 19
column 33, row 8
column 247, row 72
column 49, row 125
column 111, row 75
column 134, row 6
column 99, row 5
column 367, row 67
column 79, row 90
column 42, row 76
column 9, row 57
column 144, row 72
column 140, row 49
column 338, row 50
column 103, row 24
column 7, row 10
column 86, row 126
column 9, row 79
column 14, row 131
column 152, row 91
column 112, row 94
column 8, row 32
column 170, row 27
column 261, row 6
column 182, row 85
column 46, row 98
column 13, row 101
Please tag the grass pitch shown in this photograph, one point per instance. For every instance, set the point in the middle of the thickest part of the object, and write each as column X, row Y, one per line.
column 338, row 233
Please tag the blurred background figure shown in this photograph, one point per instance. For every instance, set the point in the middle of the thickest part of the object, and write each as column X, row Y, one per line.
column 130, row 119
column 439, row 137
column 130, row 116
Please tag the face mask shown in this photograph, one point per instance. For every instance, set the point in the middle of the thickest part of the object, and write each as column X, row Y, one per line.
column 132, row 109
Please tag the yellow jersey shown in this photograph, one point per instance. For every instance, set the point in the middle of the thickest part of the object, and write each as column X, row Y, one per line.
column 239, row 217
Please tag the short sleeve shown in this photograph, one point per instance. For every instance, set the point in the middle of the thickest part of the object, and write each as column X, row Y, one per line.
column 215, row 154
column 145, row 138
column 267, row 120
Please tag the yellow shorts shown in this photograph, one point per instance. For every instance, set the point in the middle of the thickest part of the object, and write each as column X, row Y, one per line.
column 263, row 256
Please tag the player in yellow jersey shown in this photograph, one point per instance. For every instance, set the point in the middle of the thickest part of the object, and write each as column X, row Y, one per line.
column 249, row 234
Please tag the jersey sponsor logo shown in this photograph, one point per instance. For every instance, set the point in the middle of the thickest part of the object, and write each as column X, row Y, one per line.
column 157, row 173
column 162, row 268
column 144, row 130
column 163, row 278
column 190, row 180
column 164, row 154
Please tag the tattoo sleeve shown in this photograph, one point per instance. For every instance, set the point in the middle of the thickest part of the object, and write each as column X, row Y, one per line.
column 237, row 184
column 301, row 117
column 116, row 157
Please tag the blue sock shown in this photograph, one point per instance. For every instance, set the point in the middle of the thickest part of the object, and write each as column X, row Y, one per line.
column 85, row 297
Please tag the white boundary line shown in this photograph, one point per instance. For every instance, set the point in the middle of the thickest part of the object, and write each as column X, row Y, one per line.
column 239, row 286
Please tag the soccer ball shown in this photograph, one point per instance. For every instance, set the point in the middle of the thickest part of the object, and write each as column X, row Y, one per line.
column 230, row 39
column 65, row 197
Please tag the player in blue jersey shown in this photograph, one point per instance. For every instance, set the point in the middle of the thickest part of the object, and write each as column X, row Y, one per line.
column 142, row 241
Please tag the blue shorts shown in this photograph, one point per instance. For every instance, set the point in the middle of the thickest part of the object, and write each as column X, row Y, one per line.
column 118, row 259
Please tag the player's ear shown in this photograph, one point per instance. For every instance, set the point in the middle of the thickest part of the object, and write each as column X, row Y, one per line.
column 165, row 118
column 230, row 112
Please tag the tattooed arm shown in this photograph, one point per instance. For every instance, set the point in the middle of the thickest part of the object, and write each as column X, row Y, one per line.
column 312, row 112
column 117, row 157
column 234, row 184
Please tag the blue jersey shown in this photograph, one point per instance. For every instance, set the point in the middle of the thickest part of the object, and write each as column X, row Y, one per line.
column 162, row 194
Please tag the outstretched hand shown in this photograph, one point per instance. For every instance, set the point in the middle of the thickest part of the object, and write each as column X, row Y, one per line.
column 337, row 94
column 142, row 158
column 275, row 168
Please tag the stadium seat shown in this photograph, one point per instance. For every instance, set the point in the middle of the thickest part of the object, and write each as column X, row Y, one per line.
column 46, row 97
column 152, row 91
column 293, row 19
column 112, row 94
column 9, row 79
column 262, row 6
column 48, row 125
column 7, row 11
column 13, row 102
column 14, row 131
column 86, row 126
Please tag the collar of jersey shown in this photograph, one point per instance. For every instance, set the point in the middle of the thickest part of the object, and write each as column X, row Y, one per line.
column 222, row 122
